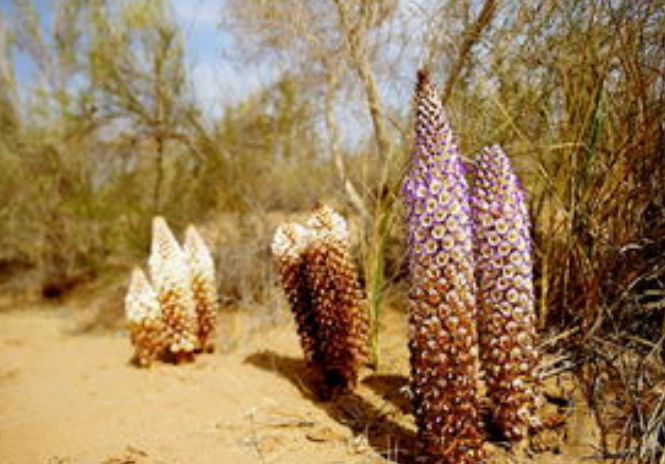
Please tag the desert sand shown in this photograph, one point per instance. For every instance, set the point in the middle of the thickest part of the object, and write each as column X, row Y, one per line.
column 72, row 397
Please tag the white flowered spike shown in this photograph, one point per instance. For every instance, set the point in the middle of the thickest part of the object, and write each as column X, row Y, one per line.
column 202, row 268
column 144, row 315
column 171, row 278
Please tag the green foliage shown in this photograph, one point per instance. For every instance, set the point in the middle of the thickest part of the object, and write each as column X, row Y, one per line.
column 85, row 166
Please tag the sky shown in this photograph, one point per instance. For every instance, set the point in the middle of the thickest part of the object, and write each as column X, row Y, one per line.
column 218, row 81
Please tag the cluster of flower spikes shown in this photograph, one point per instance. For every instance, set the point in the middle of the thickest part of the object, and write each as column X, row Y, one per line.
column 146, row 325
column 506, row 315
column 443, row 339
column 321, row 283
column 174, row 317
column 202, row 268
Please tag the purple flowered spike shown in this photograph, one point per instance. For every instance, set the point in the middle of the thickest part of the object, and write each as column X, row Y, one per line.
column 505, row 293
column 442, row 314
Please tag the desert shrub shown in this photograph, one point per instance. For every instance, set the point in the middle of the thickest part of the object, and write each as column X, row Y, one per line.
column 85, row 167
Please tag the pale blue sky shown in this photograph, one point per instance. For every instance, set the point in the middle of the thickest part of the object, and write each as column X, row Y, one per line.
column 217, row 80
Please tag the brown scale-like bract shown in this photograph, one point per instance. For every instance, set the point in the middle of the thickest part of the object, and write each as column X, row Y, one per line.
column 202, row 270
column 342, row 321
column 443, row 339
column 289, row 245
column 507, row 322
column 171, row 279
column 144, row 315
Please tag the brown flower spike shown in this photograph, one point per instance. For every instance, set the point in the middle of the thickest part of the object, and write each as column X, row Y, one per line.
column 338, row 299
column 171, row 278
column 202, row 270
column 321, row 284
column 289, row 245
column 144, row 315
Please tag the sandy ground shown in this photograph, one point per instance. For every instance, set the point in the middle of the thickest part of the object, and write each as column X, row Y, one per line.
column 67, row 397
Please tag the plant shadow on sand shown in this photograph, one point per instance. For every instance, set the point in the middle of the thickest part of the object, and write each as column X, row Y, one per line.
column 388, row 438
column 391, row 387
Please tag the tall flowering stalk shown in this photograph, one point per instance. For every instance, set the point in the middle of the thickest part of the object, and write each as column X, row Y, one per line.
column 171, row 278
column 204, row 289
column 321, row 284
column 443, row 339
column 507, row 322
column 288, row 247
column 343, row 326
column 144, row 315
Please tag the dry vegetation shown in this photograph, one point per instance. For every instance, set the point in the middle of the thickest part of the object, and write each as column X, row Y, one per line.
column 109, row 134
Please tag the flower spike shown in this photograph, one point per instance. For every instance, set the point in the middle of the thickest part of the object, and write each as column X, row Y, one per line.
column 288, row 247
column 321, row 284
column 204, row 287
column 171, row 278
column 507, row 323
column 443, row 338
column 144, row 316
column 342, row 319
